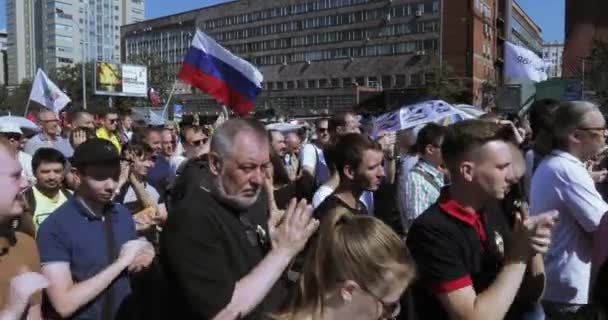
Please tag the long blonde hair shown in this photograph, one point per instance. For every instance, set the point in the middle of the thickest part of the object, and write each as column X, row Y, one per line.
column 349, row 247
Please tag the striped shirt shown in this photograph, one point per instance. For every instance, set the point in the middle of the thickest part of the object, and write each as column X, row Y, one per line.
column 422, row 189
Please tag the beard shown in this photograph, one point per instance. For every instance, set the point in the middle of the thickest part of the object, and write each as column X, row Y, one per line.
column 233, row 201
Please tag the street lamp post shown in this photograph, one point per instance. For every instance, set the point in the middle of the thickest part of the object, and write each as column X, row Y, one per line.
column 83, row 70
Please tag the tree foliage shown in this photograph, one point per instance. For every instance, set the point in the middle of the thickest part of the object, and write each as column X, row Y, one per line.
column 596, row 75
column 442, row 83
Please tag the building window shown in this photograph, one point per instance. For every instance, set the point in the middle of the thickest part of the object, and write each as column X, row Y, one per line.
column 415, row 79
column 360, row 81
column 387, row 82
column 301, row 84
column 312, row 84
column 400, row 81
column 347, row 82
column 280, row 85
column 335, row 83
column 291, row 85
column 435, row 6
column 323, row 83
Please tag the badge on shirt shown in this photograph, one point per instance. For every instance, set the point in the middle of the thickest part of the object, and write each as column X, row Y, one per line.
column 500, row 244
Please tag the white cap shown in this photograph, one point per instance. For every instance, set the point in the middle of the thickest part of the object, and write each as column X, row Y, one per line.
column 9, row 127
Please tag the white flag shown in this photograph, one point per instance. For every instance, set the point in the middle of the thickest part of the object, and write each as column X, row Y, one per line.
column 45, row 92
column 521, row 64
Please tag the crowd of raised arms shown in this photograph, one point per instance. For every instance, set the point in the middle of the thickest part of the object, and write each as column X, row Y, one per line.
column 103, row 217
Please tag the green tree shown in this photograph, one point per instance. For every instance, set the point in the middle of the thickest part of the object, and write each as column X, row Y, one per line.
column 442, row 83
column 596, row 71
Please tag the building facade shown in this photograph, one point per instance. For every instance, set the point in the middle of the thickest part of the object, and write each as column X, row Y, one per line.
column 553, row 56
column 320, row 55
column 54, row 33
column 20, row 40
column 585, row 21
column 3, row 57
column 524, row 31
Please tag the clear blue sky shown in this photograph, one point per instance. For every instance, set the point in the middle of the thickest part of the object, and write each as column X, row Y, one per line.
column 549, row 14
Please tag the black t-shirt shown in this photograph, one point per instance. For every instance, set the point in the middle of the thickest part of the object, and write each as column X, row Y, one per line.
column 454, row 249
column 332, row 202
column 207, row 247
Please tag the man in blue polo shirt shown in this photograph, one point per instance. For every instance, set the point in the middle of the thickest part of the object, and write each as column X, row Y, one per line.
column 88, row 246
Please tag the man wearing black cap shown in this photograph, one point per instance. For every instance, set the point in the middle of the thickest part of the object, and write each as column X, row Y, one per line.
column 88, row 245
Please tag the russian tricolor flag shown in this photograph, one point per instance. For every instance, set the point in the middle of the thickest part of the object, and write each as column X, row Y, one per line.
column 231, row 80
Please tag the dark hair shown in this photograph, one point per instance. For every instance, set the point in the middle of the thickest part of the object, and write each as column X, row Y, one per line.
column 137, row 149
column 542, row 114
column 461, row 138
column 349, row 150
column 431, row 134
column 76, row 114
column 125, row 113
column 47, row 155
column 104, row 114
column 186, row 128
column 338, row 120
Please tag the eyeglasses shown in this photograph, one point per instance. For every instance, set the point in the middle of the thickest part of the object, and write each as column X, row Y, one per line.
column 112, row 121
column 322, row 130
column 49, row 121
column 198, row 143
column 12, row 136
column 602, row 129
column 388, row 308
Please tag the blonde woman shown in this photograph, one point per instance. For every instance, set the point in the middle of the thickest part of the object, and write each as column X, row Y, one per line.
column 356, row 268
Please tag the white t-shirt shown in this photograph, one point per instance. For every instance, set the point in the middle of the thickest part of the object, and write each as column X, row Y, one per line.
column 367, row 197
column 561, row 182
column 309, row 155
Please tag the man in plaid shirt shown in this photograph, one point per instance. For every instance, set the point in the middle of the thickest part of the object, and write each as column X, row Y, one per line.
column 425, row 180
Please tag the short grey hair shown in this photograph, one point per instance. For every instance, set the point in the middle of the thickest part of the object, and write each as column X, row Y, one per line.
column 223, row 140
column 568, row 117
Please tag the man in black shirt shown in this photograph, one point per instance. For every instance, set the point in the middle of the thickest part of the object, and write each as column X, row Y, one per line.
column 358, row 161
column 223, row 254
column 471, row 266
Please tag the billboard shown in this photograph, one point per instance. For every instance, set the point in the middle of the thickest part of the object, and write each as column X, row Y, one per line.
column 125, row 80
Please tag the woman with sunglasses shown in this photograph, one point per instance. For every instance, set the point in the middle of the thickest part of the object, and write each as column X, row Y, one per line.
column 356, row 268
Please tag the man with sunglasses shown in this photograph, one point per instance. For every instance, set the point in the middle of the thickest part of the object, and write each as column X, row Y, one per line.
column 561, row 182
column 50, row 137
column 109, row 129
column 14, row 135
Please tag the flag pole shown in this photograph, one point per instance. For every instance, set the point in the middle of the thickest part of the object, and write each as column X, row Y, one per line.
column 27, row 107
column 169, row 99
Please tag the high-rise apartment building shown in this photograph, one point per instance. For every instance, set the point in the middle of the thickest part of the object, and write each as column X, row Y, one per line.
column 54, row 33
column 20, row 40
column 553, row 55
column 3, row 57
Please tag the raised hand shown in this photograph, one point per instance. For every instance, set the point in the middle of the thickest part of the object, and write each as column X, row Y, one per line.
column 289, row 231
column 22, row 287
column 131, row 250
column 143, row 259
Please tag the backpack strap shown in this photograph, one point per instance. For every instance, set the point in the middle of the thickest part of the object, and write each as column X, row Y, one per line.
column 428, row 178
column 31, row 200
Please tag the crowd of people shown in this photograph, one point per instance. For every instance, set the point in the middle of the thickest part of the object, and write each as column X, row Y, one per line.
column 107, row 218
